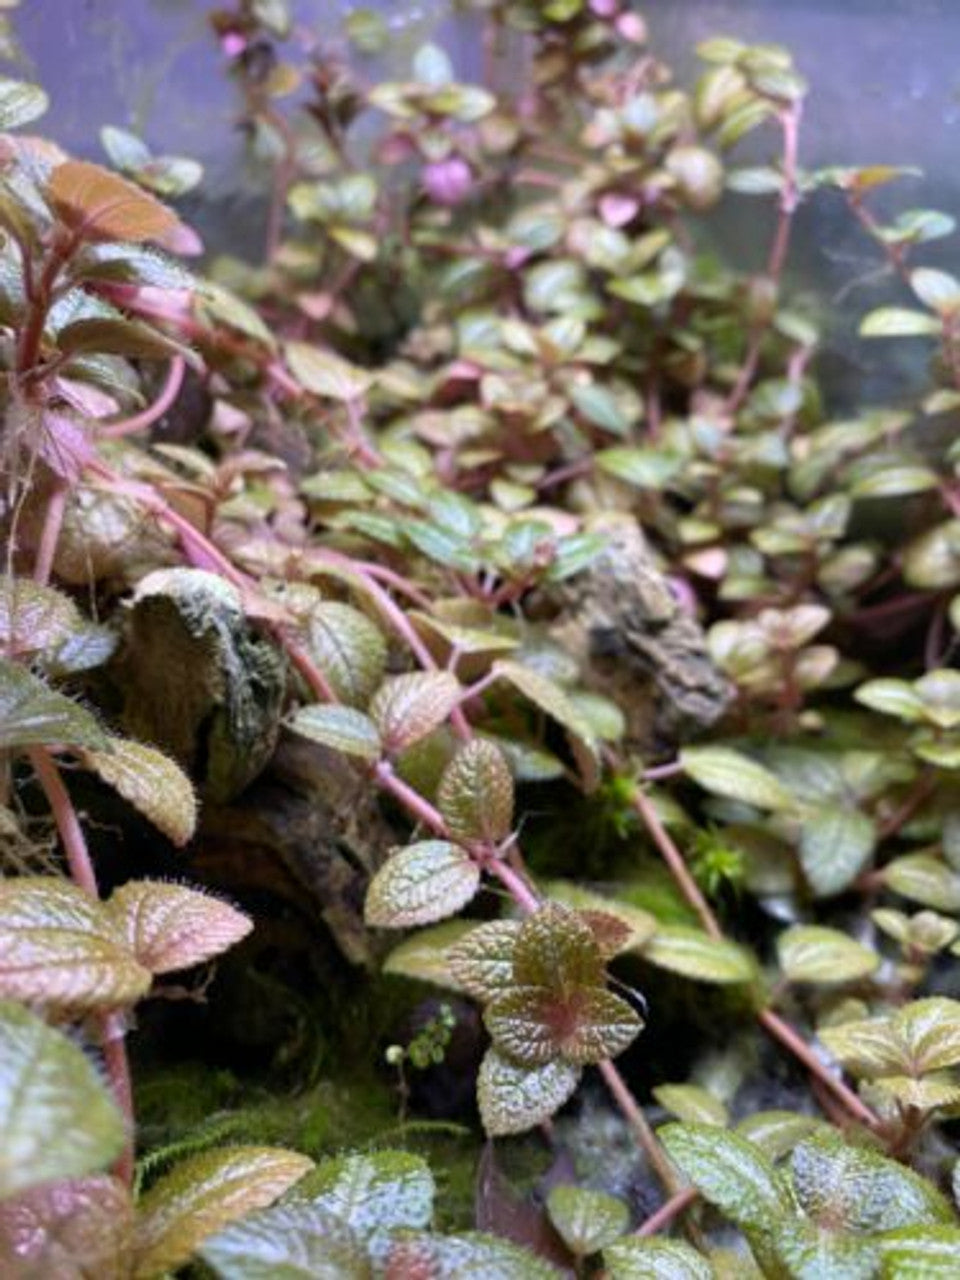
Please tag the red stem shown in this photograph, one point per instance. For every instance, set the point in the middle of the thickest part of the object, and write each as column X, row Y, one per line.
column 110, row 1024
column 668, row 1211
column 50, row 534
column 675, row 861
column 147, row 417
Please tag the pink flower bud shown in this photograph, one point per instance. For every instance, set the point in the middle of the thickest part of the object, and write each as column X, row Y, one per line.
column 449, row 181
column 233, row 44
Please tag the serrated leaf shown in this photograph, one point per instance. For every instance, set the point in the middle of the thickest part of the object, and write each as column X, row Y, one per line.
column 425, row 956
column 482, row 960
column 71, row 1228
column 32, row 714
column 34, row 618
column 324, row 373
column 929, row 1030
column 420, row 884
column 691, row 1104
column 169, row 927
column 835, row 846
column 153, row 783
column 20, row 102
column 655, row 1259
column 694, row 954
column 343, row 728
column 728, row 1171
column 920, row 1253
column 476, row 794
column 854, row 1189
column 587, row 1220
column 60, row 947
column 204, row 1193
column 374, row 1194
column 898, row 322
column 728, row 773
column 552, row 701
column 535, row 1025
column 639, row 924
column 56, row 1117
column 556, row 948
column 812, row 953
column 104, row 206
column 514, row 1098
column 407, row 708
column 287, row 1242
column 866, row 1047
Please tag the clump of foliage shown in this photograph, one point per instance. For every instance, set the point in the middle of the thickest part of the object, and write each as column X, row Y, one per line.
column 489, row 512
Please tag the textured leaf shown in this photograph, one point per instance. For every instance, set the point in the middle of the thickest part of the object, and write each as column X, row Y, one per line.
column 69, row 1228
column 534, row 1025
column 835, row 845
column 921, row 1253
column 924, row 879
column 552, row 701
column 60, row 947
column 34, row 618
column 324, row 373
column 420, row 884
column 656, row 1259
column 728, row 773
column 106, row 207
column 153, row 783
column 467, row 1256
column 476, row 794
column 867, row 1047
column 728, row 1171
column 204, row 1193
column 556, row 949
column 514, row 1098
column 31, row 714
column 56, row 1117
column 683, row 949
column 855, row 1189
column 691, row 1104
column 407, row 708
column 587, row 1220
column 811, row 953
column 349, row 649
column 930, row 1032
column 343, row 728
column 374, row 1194
column 798, row 1248
column 426, row 955
column 287, row 1242
column 482, row 960
column 116, row 337
column 168, row 926
column 20, row 103
column 640, row 925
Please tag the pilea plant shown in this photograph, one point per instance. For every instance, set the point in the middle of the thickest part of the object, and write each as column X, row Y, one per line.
column 485, row 554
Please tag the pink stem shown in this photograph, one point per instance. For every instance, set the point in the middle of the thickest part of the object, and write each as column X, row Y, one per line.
column 50, row 535
column 153, row 412
column 675, row 861
column 638, row 1122
column 668, row 1211
column 412, row 801
column 110, row 1024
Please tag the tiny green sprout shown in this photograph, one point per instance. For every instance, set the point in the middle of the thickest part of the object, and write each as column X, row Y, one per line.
column 716, row 864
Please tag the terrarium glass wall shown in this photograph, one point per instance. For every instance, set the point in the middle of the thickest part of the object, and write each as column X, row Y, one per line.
column 885, row 87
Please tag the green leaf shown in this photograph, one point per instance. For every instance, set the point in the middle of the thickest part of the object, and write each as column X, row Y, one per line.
column 287, row 1242
column 324, row 373
column 348, row 648
column 407, row 708
column 895, row 482
column 866, row 1047
column 587, row 1220
column 56, row 1117
column 221, row 306
column 728, row 773
column 601, row 408
column 467, row 1256
column 691, row 1104
column 20, row 103
column 425, row 956
column 61, row 948
column 892, row 698
column 836, row 844
column 937, row 290
column 929, row 1030
column 32, row 714
column 118, row 337
column 656, row 1259
column 420, row 884
column 373, row 1194
column 848, row 1188
column 482, row 960
column 552, row 701
column 812, row 953
column 924, row 879
column 204, row 1193
column 798, row 1248
column 643, row 468
column 728, row 1171
column 688, row 951
column 153, row 783
column 920, row 1253
column 476, row 794
column 342, row 728
column 514, row 1098
column 536, row 1024
column 898, row 322
column 639, row 924
column 169, row 927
